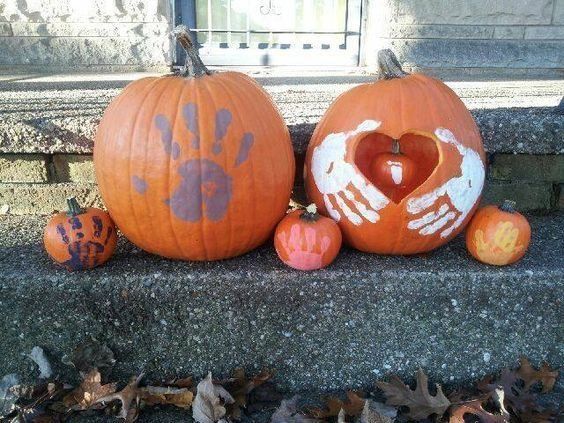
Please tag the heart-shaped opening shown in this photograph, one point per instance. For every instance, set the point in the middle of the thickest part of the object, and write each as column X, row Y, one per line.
column 396, row 174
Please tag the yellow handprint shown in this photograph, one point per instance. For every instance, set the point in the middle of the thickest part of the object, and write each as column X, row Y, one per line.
column 502, row 248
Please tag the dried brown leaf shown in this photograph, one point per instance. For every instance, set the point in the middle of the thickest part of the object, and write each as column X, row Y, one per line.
column 89, row 392
column 549, row 416
column 515, row 398
column 420, row 402
column 353, row 406
column 545, row 375
column 165, row 395
column 288, row 413
column 209, row 404
column 239, row 386
column 129, row 398
column 475, row 409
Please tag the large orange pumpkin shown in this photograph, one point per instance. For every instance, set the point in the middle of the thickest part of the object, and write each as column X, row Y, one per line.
column 196, row 166
column 434, row 130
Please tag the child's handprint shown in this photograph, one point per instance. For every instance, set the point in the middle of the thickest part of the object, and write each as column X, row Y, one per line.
column 206, row 187
column 298, row 257
column 501, row 248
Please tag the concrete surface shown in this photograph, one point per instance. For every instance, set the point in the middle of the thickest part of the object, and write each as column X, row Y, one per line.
column 360, row 319
column 60, row 113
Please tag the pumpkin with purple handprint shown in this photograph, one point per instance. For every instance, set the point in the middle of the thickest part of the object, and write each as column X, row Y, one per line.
column 196, row 166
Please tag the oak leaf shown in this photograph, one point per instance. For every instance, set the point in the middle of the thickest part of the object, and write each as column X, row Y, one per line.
column 89, row 392
column 209, row 404
column 515, row 398
column 475, row 409
column 545, row 375
column 288, row 413
column 129, row 398
column 420, row 402
column 352, row 406
column 239, row 386
column 165, row 395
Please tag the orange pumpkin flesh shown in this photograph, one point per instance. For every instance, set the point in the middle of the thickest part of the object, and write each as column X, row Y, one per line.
column 198, row 166
column 434, row 129
column 305, row 240
column 80, row 239
column 498, row 235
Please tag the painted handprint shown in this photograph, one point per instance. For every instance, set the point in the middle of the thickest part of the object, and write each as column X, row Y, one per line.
column 206, row 187
column 337, row 180
column 502, row 249
column 299, row 257
column 458, row 195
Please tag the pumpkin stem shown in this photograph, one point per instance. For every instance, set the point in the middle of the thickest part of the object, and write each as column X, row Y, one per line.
column 389, row 66
column 194, row 67
column 508, row 206
column 310, row 213
column 395, row 147
column 74, row 208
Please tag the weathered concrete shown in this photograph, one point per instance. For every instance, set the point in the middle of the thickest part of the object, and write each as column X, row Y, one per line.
column 23, row 168
column 73, row 168
column 59, row 114
column 520, row 167
column 341, row 327
column 539, row 196
column 44, row 199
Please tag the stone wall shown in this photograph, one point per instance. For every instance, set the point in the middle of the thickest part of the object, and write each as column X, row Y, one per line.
column 48, row 35
column 474, row 37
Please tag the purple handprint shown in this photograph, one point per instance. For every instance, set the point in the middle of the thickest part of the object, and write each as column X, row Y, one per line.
column 206, row 188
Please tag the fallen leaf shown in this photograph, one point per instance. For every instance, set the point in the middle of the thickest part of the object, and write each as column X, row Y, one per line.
column 352, row 406
column 515, row 398
column 240, row 387
column 475, row 409
column 545, row 375
column 288, row 413
column 89, row 392
column 129, row 398
column 341, row 416
column 375, row 412
column 420, row 402
column 186, row 382
column 38, row 356
column 208, row 406
column 163, row 395
column 549, row 416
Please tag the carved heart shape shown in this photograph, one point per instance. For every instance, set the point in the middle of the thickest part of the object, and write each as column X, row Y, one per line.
column 419, row 149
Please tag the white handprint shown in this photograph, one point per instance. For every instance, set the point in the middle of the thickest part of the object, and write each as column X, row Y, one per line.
column 335, row 178
column 463, row 192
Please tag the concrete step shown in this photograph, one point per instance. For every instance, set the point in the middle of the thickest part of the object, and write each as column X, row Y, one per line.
column 59, row 113
column 345, row 326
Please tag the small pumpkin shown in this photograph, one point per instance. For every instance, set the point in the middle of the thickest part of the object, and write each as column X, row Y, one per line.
column 498, row 235
column 80, row 239
column 433, row 128
column 197, row 165
column 393, row 171
column 305, row 240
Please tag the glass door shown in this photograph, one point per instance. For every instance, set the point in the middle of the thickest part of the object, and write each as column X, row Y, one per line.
column 274, row 32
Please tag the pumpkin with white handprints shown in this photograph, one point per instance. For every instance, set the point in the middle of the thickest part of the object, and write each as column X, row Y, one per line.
column 382, row 211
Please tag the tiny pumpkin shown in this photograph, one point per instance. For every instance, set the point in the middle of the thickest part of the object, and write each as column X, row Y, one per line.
column 80, row 239
column 393, row 171
column 498, row 235
column 305, row 240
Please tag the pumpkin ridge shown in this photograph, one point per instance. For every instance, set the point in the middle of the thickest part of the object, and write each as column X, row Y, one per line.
column 131, row 142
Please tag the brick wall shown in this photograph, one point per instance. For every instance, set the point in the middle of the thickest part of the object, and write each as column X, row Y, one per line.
column 499, row 37
column 77, row 34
